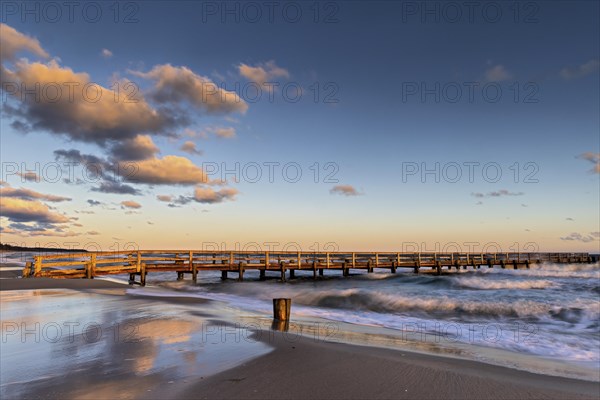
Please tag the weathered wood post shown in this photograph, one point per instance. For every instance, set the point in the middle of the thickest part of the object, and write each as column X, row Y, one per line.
column 27, row 270
column 282, row 267
column 344, row 269
column 143, row 275
column 262, row 274
column 223, row 275
column 369, row 266
column 93, row 262
column 38, row 266
column 241, row 268
column 292, row 273
column 179, row 275
column 438, row 268
column 503, row 264
column 527, row 264
column 417, row 266
column 281, row 309
column 515, row 264
column 194, row 267
column 131, row 279
column 314, row 268
column 393, row 269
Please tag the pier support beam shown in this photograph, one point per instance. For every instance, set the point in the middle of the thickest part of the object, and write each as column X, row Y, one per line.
column 143, row 275
column 527, row 264
column 223, row 275
column 292, row 273
column 503, row 264
column 369, row 266
column 438, row 268
column 179, row 275
column 263, row 274
column 393, row 269
column 241, row 271
column 282, row 266
column 321, row 273
column 131, row 279
column 515, row 264
column 416, row 268
column 314, row 267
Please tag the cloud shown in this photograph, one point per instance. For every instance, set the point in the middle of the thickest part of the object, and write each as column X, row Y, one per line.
column 169, row 170
column 497, row 73
column 140, row 147
column 594, row 158
column 226, row 133
column 190, row 148
column 12, row 42
column 130, row 204
column 115, row 188
column 499, row 193
column 92, row 233
column 263, row 72
column 582, row 238
column 106, row 53
column 29, row 194
column 29, row 176
column 24, row 210
column 94, row 202
column 569, row 219
column 346, row 190
column 165, row 198
column 181, row 84
column 581, row 70
column 209, row 196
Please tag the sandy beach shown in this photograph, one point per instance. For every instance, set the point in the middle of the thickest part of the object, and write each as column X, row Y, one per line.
column 180, row 347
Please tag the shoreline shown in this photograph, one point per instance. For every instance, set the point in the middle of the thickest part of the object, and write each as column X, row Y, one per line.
column 305, row 367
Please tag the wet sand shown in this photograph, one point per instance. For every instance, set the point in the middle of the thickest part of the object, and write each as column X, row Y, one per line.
column 169, row 355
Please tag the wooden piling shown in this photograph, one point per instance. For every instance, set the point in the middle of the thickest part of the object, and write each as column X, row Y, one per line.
column 241, row 267
column 223, row 275
column 179, row 275
column 193, row 266
column 438, row 268
column 282, row 266
column 282, row 309
column 143, row 275
column 369, row 266
column 292, row 273
column 262, row 275
column 131, row 279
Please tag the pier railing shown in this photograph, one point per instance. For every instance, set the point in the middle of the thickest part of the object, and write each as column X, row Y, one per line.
column 140, row 263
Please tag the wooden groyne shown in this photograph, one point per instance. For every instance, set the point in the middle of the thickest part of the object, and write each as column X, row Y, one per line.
column 138, row 264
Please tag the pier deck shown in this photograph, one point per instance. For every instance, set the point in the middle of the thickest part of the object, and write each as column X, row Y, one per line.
column 138, row 264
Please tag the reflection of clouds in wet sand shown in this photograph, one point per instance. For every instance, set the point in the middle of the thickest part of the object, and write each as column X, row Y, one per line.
column 157, row 347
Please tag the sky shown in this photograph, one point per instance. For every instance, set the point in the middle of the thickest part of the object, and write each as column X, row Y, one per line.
column 354, row 125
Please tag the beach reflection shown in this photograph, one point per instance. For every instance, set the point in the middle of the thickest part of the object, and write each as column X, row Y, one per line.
column 92, row 345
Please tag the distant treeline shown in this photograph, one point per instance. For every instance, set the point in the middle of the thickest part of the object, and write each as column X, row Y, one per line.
column 9, row 247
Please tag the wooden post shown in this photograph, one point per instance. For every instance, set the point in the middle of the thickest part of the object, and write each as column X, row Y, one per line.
column 93, row 266
column 321, row 272
column 327, row 260
column 38, row 266
column 292, row 273
column 345, row 269
column 267, row 261
column 527, row 264
column 353, row 260
column 314, row 266
column 131, row 279
column 514, row 264
column 193, row 267
column 223, row 275
column 370, row 266
column 299, row 261
column 393, row 269
column 241, row 271
column 417, row 266
column 503, row 264
column 438, row 268
column 282, row 266
column 262, row 273
column 282, row 309
column 143, row 275
column 376, row 261
column 27, row 270
column 88, row 270
column 138, row 262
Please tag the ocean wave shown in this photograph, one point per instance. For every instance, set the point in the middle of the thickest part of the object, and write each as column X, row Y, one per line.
column 474, row 282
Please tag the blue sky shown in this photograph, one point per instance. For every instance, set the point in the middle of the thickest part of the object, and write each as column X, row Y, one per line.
column 369, row 63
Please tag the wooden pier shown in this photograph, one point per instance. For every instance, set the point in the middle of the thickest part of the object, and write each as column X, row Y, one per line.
column 284, row 264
